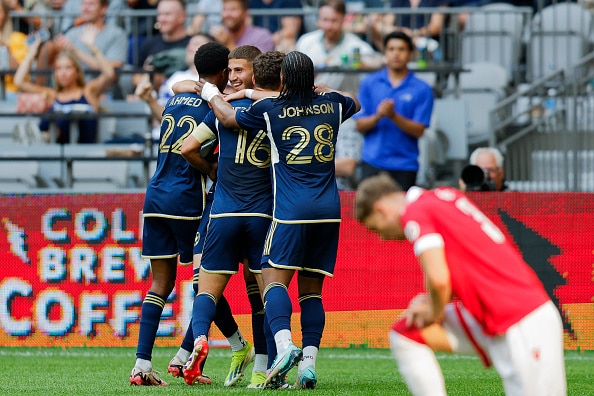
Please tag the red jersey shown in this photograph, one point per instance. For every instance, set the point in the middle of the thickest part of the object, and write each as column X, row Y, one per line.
column 487, row 272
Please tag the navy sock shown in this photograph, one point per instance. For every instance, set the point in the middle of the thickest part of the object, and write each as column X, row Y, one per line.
column 188, row 341
column 257, row 305
column 203, row 313
column 152, row 308
column 270, row 344
column 313, row 319
column 224, row 319
column 278, row 307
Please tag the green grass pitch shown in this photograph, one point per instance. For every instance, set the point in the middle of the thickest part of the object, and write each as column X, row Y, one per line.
column 105, row 371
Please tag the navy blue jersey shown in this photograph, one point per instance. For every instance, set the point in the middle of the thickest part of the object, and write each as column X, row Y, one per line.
column 243, row 176
column 176, row 189
column 302, row 152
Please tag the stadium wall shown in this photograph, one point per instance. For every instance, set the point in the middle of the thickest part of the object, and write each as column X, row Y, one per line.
column 72, row 272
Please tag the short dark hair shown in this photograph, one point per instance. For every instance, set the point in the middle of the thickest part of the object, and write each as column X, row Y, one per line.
column 267, row 67
column 399, row 36
column 211, row 58
column 337, row 5
column 247, row 52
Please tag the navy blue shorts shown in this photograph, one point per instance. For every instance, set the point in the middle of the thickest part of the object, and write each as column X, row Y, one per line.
column 308, row 247
column 163, row 238
column 201, row 233
column 230, row 239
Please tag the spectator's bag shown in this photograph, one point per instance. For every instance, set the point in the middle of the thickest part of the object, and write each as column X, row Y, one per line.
column 32, row 103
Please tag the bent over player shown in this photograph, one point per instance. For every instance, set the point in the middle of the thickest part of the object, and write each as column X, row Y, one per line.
column 500, row 311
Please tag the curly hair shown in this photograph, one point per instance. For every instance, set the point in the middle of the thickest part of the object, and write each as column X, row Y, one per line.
column 211, row 58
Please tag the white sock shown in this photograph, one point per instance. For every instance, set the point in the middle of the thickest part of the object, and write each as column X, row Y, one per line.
column 183, row 355
column 237, row 341
column 260, row 363
column 283, row 339
column 144, row 365
column 418, row 366
column 310, row 354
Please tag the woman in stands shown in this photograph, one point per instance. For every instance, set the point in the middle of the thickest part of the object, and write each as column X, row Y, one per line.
column 70, row 93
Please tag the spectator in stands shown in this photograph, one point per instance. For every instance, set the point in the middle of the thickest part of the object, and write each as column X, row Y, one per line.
column 347, row 156
column 12, row 43
column 396, row 108
column 140, row 28
column 169, row 45
column 286, row 29
column 111, row 40
column 74, row 7
column 71, row 93
column 157, row 102
column 327, row 45
column 236, row 29
column 414, row 25
column 358, row 23
column 42, row 6
column 490, row 160
column 207, row 15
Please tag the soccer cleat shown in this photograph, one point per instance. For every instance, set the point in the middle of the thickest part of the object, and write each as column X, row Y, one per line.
column 257, row 381
column 146, row 378
column 193, row 368
column 306, row 378
column 283, row 364
column 239, row 362
column 176, row 367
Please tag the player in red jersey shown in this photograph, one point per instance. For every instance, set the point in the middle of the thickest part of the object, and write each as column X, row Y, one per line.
column 481, row 295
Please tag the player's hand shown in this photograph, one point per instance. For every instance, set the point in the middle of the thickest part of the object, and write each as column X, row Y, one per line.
column 320, row 88
column 235, row 95
column 206, row 90
column 212, row 173
column 419, row 312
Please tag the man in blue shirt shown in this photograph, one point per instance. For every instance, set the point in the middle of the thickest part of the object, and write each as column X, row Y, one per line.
column 396, row 108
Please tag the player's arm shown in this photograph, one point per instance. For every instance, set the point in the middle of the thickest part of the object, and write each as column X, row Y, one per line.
column 319, row 88
column 224, row 112
column 191, row 146
column 253, row 94
column 437, row 277
column 184, row 86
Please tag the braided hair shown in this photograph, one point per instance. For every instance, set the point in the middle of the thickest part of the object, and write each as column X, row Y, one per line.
column 297, row 70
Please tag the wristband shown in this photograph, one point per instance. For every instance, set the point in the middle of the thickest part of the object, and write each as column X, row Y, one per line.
column 248, row 93
column 209, row 91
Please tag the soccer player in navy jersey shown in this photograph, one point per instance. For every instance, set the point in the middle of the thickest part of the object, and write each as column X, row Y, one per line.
column 239, row 218
column 302, row 124
column 170, row 224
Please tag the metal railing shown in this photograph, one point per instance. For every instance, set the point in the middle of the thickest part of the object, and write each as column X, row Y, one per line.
column 546, row 130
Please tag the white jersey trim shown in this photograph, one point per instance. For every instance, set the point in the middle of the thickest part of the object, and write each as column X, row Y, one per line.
column 427, row 242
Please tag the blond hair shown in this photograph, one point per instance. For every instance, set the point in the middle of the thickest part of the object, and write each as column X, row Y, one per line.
column 80, row 74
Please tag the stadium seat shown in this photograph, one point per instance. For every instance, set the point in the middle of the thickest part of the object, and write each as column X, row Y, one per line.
column 559, row 36
column 481, row 87
column 494, row 35
column 130, row 122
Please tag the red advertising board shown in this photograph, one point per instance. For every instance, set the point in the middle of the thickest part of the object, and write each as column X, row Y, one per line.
column 72, row 272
